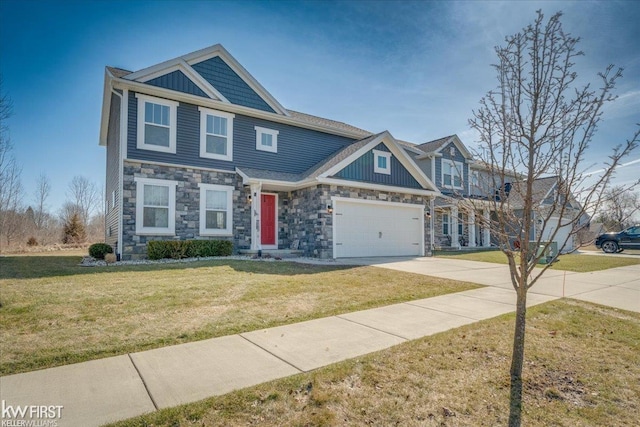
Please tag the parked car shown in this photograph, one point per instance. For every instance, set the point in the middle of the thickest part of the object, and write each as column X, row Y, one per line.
column 617, row 242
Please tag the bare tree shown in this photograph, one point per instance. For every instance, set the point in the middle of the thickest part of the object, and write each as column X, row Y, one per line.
column 10, row 171
column 41, row 194
column 85, row 196
column 620, row 206
column 539, row 123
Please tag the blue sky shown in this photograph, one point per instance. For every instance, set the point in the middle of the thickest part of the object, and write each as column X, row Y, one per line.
column 417, row 69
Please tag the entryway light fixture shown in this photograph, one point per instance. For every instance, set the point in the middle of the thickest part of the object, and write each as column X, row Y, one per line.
column 329, row 209
column 249, row 198
column 428, row 213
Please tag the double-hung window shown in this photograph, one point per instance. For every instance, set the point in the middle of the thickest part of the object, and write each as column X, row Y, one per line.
column 216, row 209
column 156, row 124
column 382, row 162
column 445, row 224
column 216, row 134
column 155, row 206
column 452, row 174
column 266, row 139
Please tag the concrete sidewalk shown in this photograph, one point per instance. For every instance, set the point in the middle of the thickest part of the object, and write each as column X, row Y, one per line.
column 101, row 391
column 615, row 287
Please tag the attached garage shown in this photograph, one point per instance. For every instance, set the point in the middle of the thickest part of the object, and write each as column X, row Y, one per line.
column 364, row 228
column 562, row 236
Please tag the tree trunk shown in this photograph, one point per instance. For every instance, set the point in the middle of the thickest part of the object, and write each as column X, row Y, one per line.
column 517, row 359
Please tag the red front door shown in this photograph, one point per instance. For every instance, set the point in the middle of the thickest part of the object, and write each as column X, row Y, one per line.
column 268, row 219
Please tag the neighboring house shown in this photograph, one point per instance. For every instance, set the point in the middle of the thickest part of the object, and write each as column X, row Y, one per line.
column 198, row 149
column 465, row 186
column 554, row 219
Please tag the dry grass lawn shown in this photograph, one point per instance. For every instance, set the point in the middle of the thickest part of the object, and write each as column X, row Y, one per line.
column 582, row 369
column 54, row 312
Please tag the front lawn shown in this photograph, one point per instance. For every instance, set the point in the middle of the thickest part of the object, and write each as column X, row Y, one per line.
column 569, row 262
column 53, row 312
column 582, row 365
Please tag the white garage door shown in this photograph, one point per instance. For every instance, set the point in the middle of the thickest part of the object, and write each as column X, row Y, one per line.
column 561, row 236
column 364, row 228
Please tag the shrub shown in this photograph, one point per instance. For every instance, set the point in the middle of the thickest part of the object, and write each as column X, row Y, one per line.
column 110, row 258
column 32, row 241
column 177, row 249
column 99, row 250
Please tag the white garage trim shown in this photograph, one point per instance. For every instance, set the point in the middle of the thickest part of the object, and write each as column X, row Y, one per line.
column 415, row 211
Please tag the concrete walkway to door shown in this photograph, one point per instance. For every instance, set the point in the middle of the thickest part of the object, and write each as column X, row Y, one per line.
column 615, row 287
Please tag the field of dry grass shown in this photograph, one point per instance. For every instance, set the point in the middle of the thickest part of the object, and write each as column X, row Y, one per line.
column 54, row 312
column 582, row 369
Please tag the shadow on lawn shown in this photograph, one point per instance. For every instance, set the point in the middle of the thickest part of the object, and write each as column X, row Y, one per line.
column 34, row 267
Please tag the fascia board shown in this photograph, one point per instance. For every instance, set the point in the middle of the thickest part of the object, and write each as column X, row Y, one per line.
column 219, row 105
column 408, row 162
column 379, row 187
column 456, row 141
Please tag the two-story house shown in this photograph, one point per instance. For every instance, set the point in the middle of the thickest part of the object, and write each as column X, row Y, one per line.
column 198, row 149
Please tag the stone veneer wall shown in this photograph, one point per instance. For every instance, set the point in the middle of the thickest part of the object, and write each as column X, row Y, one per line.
column 187, row 206
column 307, row 220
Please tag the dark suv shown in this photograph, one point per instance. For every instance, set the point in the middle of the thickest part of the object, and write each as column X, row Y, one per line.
column 617, row 242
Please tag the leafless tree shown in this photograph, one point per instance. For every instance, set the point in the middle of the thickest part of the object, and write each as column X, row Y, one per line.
column 620, row 206
column 10, row 171
column 85, row 196
column 538, row 123
column 41, row 194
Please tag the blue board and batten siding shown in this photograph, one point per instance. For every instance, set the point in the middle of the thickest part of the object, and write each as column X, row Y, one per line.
column 179, row 82
column 298, row 148
column 229, row 84
column 361, row 170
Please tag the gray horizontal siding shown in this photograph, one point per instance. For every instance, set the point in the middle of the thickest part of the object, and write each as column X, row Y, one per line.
column 113, row 168
column 179, row 82
column 362, row 170
column 229, row 84
column 298, row 148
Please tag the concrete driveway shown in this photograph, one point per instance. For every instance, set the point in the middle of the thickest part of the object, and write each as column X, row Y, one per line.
column 616, row 287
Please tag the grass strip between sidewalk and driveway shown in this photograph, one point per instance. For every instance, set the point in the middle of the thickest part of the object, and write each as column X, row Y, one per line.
column 582, row 369
column 54, row 312
column 568, row 262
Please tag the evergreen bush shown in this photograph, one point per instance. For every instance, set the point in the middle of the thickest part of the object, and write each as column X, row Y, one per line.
column 99, row 250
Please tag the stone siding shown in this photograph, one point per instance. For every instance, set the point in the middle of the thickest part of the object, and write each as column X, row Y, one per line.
column 187, row 206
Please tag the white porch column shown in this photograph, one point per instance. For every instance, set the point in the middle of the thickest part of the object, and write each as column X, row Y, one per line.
column 256, row 193
column 486, row 230
column 432, row 225
column 472, row 228
column 454, row 227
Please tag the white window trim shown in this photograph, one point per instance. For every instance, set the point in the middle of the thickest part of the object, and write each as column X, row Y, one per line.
column 204, row 112
column 274, row 139
column 173, row 116
column 228, row 230
column 155, row 231
column 458, row 168
column 376, row 168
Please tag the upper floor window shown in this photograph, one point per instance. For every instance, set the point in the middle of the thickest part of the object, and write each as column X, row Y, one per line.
column 216, row 134
column 155, row 207
column 156, row 124
column 216, row 209
column 382, row 162
column 451, row 174
column 266, row 139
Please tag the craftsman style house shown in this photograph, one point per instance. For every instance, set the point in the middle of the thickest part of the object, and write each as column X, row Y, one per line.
column 198, row 149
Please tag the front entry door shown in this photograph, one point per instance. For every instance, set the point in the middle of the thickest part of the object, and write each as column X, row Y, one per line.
column 268, row 220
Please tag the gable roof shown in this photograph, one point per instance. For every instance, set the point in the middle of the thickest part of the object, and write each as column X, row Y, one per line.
column 437, row 145
column 185, row 64
column 540, row 189
column 322, row 172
